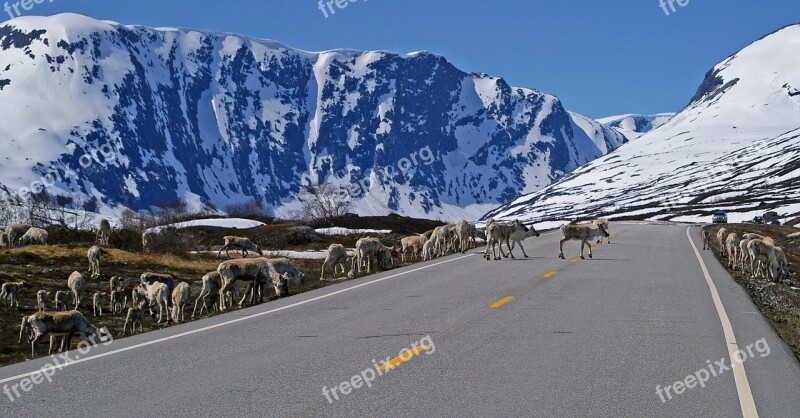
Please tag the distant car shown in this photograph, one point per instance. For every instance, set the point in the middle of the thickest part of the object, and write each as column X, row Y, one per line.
column 775, row 223
column 758, row 220
column 719, row 217
column 770, row 216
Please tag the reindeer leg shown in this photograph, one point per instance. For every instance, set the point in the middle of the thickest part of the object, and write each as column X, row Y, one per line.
column 222, row 306
column 35, row 341
column 246, row 292
column 208, row 303
column 202, row 296
column 66, row 343
column 501, row 248
column 322, row 273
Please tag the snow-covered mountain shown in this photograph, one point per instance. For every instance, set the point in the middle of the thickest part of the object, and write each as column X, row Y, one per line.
column 634, row 126
column 735, row 147
column 219, row 119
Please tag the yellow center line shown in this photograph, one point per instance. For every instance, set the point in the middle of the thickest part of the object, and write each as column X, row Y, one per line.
column 576, row 259
column 503, row 301
column 391, row 364
column 550, row 274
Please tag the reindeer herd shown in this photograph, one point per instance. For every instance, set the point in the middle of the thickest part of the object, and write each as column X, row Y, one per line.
column 513, row 234
column 756, row 256
column 451, row 239
column 370, row 254
column 157, row 295
column 164, row 298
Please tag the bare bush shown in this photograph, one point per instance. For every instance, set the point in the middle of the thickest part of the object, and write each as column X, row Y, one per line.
column 43, row 210
column 172, row 212
column 322, row 202
column 136, row 221
column 250, row 210
column 165, row 239
column 169, row 240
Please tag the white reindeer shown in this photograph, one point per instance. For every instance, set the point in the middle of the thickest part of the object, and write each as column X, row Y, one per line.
column 238, row 242
column 337, row 257
column 103, row 233
column 94, row 261
column 180, row 298
column 76, row 283
column 582, row 233
column 517, row 237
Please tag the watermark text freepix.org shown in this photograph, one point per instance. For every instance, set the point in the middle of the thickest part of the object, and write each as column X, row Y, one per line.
column 102, row 155
column 668, row 6
column 327, row 6
column 424, row 156
column 712, row 369
column 26, row 5
column 368, row 376
column 17, row 390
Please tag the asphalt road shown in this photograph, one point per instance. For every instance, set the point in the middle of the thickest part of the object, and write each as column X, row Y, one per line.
column 576, row 338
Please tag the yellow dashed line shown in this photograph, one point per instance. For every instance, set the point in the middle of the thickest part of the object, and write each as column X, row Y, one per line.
column 391, row 364
column 502, row 302
column 576, row 259
column 550, row 274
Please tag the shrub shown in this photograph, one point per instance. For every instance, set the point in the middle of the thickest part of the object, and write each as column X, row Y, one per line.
column 302, row 235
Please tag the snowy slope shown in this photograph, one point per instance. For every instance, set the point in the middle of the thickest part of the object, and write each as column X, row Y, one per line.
column 734, row 147
column 216, row 119
column 634, row 126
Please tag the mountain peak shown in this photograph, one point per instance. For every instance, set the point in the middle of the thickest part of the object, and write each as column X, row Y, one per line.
column 633, row 126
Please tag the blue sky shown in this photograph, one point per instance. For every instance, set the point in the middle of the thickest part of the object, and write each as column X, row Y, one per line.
column 599, row 57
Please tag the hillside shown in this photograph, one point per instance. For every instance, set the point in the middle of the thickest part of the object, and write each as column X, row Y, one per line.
column 735, row 147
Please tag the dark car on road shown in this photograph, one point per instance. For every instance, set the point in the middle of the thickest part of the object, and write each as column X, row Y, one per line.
column 719, row 217
column 758, row 220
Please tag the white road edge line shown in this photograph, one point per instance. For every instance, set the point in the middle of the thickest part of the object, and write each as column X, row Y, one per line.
column 746, row 400
column 233, row 321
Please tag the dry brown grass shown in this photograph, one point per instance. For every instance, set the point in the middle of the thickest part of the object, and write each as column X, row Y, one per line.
column 47, row 268
column 779, row 302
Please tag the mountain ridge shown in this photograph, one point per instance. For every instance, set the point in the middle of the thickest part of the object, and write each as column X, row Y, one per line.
column 216, row 119
column 634, row 125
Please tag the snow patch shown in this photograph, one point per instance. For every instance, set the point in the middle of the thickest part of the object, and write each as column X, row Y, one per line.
column 337, row 231
column 233, row 223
